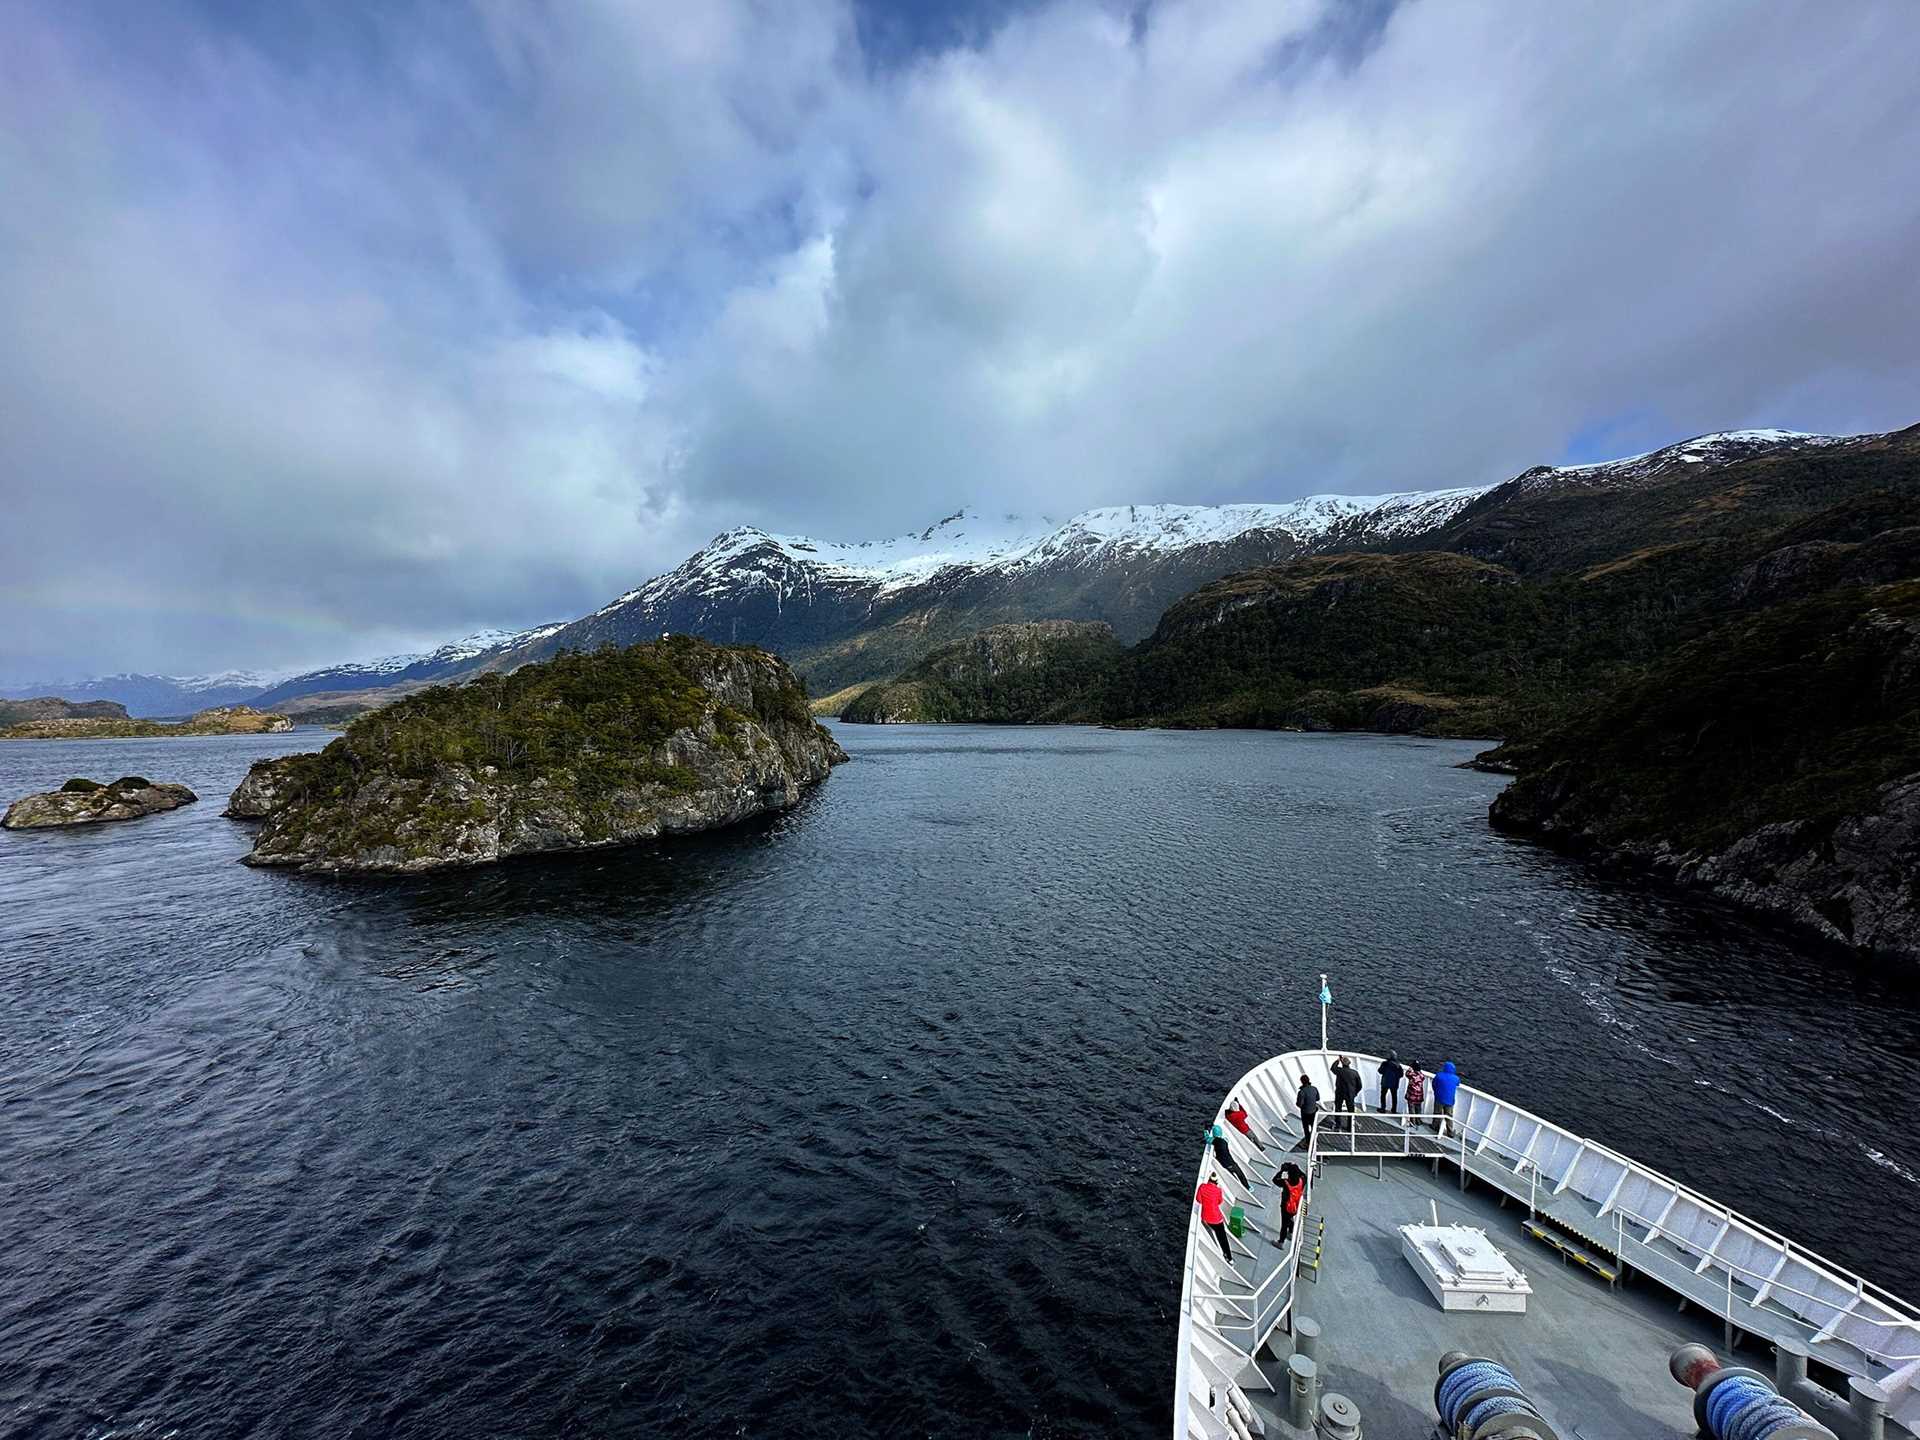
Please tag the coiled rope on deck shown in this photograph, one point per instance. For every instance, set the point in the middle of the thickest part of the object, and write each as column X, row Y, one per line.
column 1497, row 1405
column 1471, row 1379
column 1744, row 1408
column 1473, row 1393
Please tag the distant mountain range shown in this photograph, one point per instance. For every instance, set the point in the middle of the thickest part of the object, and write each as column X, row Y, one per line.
column 151, row 695
column 848, row 614
column 410, row 671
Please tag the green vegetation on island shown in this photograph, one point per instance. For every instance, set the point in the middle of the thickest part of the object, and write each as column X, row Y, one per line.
column 578, row 752
column 93, row 720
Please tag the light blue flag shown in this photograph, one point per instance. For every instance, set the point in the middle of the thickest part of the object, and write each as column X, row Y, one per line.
column 1326, row 996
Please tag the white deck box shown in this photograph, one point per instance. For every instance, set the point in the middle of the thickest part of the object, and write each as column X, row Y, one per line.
column 1464, row 1269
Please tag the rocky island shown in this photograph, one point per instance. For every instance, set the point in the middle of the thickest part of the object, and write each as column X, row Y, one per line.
column 1005, row 674
column 86, row 802
column 584, row 751
column 54, row 719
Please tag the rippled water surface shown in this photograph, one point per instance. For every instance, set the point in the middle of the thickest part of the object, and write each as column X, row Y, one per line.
column 878, row 1119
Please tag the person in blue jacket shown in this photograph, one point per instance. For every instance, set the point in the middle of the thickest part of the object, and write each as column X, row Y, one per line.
column 1446, row 1084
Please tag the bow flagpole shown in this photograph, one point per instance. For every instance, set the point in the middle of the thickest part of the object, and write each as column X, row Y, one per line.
column 1326, row 1000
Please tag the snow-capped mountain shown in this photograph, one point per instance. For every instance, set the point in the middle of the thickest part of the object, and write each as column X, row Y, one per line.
column 424, row 666
column 1721, row 448
column 792, row 565
column 853, row 611
column 845, row 612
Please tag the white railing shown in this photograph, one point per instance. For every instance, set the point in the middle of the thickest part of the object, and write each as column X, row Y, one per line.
column 1860, row 1326
column 1272, row 1299
column 1390, row 1135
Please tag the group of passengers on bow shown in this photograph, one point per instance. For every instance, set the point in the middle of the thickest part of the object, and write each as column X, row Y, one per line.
column 1290, row 1178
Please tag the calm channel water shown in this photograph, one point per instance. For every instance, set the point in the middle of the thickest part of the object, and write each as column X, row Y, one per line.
column 878, row 1119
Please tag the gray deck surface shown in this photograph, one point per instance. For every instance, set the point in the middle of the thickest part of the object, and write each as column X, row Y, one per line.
column 1594, row 1360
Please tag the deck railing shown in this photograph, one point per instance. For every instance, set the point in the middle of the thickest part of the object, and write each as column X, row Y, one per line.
column 1272, row 1299
column 1399, row 1135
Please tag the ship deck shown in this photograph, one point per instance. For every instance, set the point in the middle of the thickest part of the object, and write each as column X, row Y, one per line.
column 1594, row 1359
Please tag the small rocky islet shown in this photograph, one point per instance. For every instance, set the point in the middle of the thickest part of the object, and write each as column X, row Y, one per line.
column 581, row 752
column 87, row 802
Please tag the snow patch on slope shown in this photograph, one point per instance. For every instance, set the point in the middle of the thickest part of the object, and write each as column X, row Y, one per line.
column 748, row 557
column 481, row 642
column 1720, row 448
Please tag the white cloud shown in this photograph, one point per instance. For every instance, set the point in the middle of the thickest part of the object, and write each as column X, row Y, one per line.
column 486, row 318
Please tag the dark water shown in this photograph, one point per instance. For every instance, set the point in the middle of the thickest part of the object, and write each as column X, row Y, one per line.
column 875, row 1120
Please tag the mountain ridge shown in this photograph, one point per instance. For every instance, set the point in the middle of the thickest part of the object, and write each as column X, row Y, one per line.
column 850, row 613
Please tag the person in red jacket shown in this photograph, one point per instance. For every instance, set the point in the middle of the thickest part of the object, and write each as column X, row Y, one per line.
column 1292, row 1181
column 1237, row 1117
column 1213, row 1213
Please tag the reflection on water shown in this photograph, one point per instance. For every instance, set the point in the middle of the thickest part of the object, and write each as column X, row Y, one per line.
column 875, row 1118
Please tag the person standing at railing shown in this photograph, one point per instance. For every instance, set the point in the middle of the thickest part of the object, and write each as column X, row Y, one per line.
column 1213, row 1213
column 1237, row 1117
column 1292, row 1181
column 1307, row 1101
column 1390, row 1072
column 1446, row 1085
column 1347, row 1086
column 1416, row 1089
column 1223, row 1153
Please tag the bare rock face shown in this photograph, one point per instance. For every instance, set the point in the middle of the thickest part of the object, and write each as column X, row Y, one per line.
column 1850, row 881
column 268, row 785
column 576, row 753
column 85, row 802
column 1775, row 766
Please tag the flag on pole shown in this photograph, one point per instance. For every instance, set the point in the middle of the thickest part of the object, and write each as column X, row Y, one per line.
column 1326, row 996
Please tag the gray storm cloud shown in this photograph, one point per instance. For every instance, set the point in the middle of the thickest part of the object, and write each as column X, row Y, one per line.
column 318, row 339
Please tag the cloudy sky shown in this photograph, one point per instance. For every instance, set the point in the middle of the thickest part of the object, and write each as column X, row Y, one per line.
column 329, row 329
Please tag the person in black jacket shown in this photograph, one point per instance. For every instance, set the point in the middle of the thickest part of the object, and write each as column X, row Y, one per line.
column 1390, row 1072
column 1224, row 1155
column 1308, row 1103
column 1346, row 1087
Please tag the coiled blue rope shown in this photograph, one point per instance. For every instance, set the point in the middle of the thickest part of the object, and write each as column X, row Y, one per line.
column 1496, row 1405
column 1742, row 1408
column 1473, row 1376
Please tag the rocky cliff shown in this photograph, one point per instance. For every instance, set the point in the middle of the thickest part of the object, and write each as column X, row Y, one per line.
column 1776, row 764
column 268, row 785
column 86, row 802
column 578, row 752
column 1005, row 674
